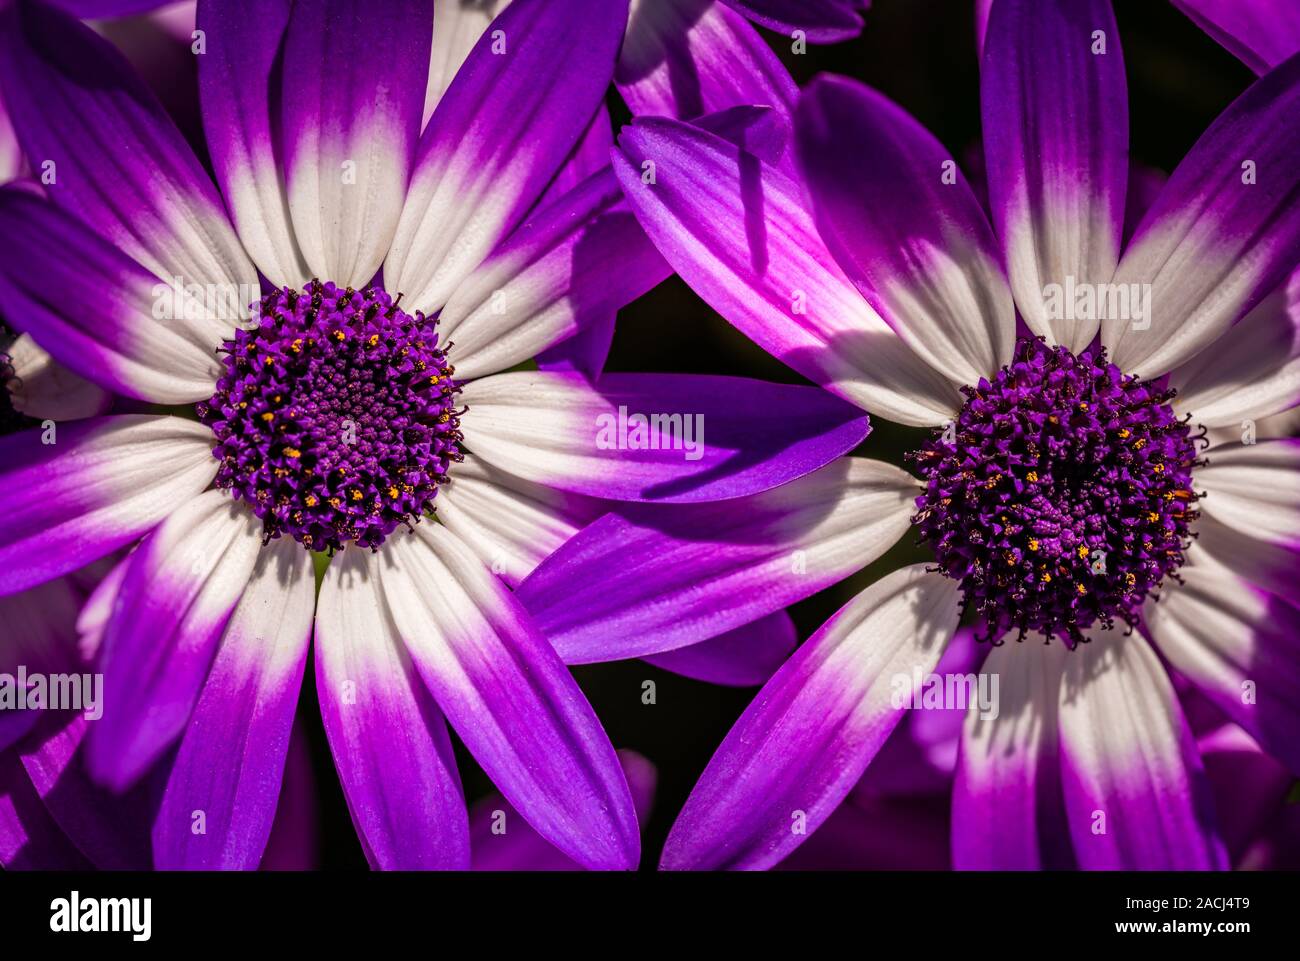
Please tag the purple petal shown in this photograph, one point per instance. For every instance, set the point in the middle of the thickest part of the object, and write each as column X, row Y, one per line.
column 94, row 309
column 175, row 600
column 119, row 161
column 1221, row 236
column 668, row 438
column 565, row 271
column 232, row 754
column 388, row 738
column 510, row 698
column 1135, row 794
column 518, row 105
column 653, row 580
column 1259, row 33
column 354, row 83
column 683, row 58
column 907, row 229
column 99, row 487
column 236, row 71
column 1007, row 806
column 822, row 21
column 739, row 232
column 1055, row 109
column 744, row 657
column 814, row 727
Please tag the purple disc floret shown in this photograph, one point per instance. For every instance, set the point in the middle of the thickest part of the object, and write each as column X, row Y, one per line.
column 335, row 417
column 1061, row 496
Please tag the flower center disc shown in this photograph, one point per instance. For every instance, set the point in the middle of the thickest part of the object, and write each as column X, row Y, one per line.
column 335, row 417
column 1061, row 496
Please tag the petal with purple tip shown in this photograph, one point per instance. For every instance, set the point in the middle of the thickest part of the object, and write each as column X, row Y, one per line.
column 510, row 698
column 1055, row 109
column 98, row 311
column 738, row 231
column 388, row 738
column 1222, row 235
column 1007, row 807
column 243, row 42
column 354, row 80
column 232, row 753
column 653, row 580
column 105, row 482
column 667, row 438
column 1136, row 797
column 812, row 730
column 119, row 161
column 907, row 229
column 175, row 600
column 522, row 100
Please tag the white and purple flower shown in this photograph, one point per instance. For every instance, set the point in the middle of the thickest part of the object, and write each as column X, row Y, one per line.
column 1067, row 496
column 333, row 417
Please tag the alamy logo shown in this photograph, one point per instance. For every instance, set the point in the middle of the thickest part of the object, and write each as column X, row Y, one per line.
column 937, row 692
column 684, row 432
column 53, row 692
column 74, row 914
column 1076, row 301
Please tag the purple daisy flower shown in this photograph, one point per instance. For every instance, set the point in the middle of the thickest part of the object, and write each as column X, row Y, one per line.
column 334, row 416
column 1065, row 493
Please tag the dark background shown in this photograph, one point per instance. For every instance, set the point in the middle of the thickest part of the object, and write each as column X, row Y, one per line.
column 922, row 54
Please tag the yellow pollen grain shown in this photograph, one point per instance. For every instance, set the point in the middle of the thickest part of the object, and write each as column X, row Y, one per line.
column 1033, row 545
column 292, row 452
